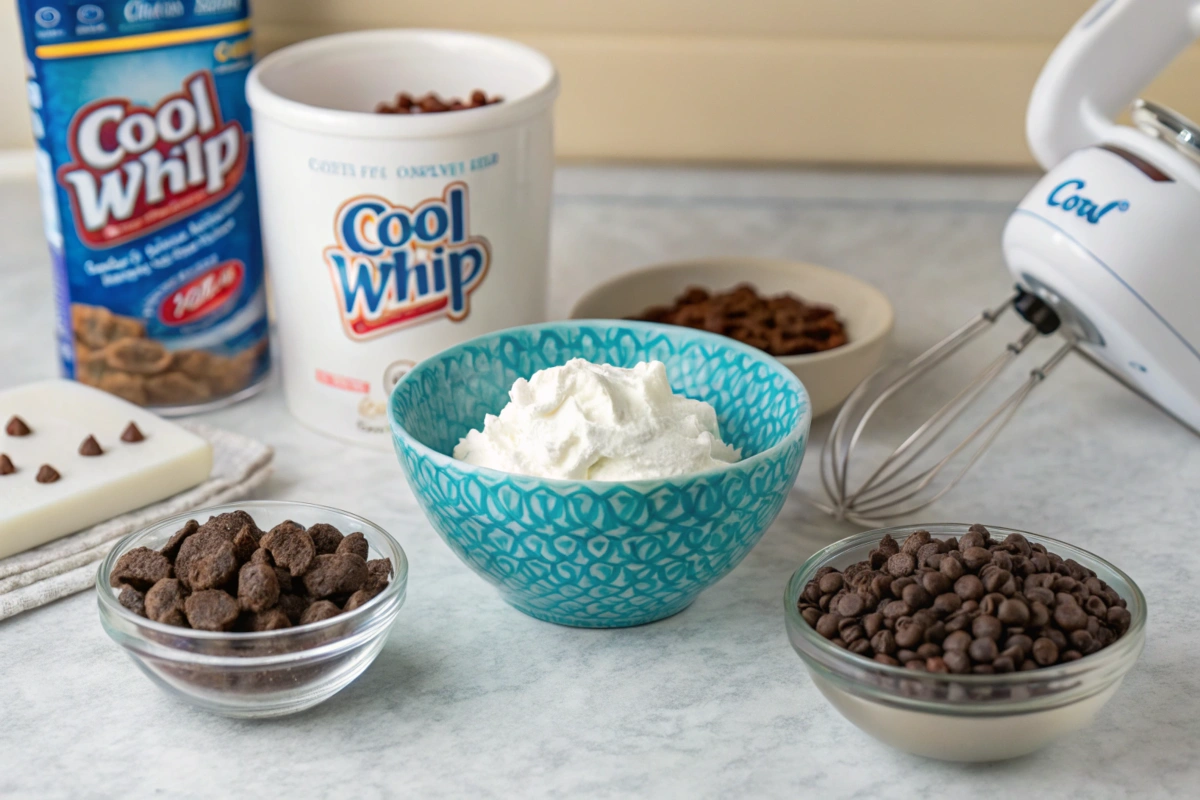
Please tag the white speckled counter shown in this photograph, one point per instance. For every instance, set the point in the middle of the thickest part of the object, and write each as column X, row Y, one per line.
column 471, row 698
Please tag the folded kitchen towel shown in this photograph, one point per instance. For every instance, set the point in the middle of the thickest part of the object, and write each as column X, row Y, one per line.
column 68, row 565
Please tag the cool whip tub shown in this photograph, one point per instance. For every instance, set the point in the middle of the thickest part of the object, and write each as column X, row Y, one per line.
column 391, row 237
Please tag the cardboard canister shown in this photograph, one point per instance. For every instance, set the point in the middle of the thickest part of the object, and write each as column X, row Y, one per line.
column 389, row 237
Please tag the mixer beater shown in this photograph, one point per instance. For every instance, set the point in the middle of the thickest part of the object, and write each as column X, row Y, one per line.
column 890, row 490
column 1103, row 250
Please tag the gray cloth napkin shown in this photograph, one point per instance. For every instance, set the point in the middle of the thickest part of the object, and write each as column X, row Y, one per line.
column 68, row 565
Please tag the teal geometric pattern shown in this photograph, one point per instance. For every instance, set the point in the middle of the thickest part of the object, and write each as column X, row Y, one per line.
column 591, row 553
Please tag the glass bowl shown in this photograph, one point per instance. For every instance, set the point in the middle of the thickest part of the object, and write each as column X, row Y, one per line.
column 964, row 717
column 262, row 674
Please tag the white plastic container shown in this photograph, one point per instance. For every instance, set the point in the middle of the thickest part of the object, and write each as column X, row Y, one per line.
column 390, row 237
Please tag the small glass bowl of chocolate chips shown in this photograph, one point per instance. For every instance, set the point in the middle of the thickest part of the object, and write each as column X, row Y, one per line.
column 254, row 609
column 964, row 642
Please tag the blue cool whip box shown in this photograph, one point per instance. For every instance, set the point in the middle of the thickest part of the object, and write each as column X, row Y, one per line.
column 147, row 181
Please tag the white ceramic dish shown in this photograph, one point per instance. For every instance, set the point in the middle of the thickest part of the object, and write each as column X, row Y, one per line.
column 830, row 376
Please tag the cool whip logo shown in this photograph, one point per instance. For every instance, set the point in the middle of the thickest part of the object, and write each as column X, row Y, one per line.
column 394, row 266
column 135, row 169
column 1066, row 196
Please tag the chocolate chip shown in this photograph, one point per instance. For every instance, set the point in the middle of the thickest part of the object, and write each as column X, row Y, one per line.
column 141, row 568
column 1119, row 618
column 901, row 564
column 211, row 610
column 884, row 642
column 830, row 583
column 850, row 605
column 914, row 542
column 1069, row 616
column 17, row 427
column 983, row 650
column 957, row 662
column 987, row 627
column 132, row 434
column 947, row 603
column 47, row 474
column 909, row 634
column 975, row 557
column 6, row 465
column 827, row 625
column 947, row 610
column 90, row 447
column 165, row 602
column 1013, row 612
column 1045, row 651
column 969, row 587
column 952, row 568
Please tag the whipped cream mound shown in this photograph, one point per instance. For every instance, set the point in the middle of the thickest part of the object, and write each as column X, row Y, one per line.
column 585, row 421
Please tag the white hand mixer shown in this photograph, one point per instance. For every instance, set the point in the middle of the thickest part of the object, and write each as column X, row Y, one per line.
column 1105, row 250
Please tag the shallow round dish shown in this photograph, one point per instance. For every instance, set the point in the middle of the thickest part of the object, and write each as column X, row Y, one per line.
column 964, row 717
column 592, row 553
column 830, row 376
column 265, row 674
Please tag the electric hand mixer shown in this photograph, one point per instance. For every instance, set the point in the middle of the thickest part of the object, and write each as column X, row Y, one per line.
column 1105, row 251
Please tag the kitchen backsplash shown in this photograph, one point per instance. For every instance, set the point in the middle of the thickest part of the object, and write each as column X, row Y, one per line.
column 940, row 82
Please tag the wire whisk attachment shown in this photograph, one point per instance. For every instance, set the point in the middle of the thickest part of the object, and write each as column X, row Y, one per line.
column 899, row 485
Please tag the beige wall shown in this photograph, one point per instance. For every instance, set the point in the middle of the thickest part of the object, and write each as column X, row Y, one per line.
column 940, row 82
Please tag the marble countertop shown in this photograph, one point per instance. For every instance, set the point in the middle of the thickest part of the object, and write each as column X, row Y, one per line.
column 471, row 698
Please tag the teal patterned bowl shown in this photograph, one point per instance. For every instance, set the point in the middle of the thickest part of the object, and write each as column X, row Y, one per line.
column 596, row 554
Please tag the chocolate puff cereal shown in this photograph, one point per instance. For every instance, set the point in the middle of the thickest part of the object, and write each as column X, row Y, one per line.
column 783, row 325
column 969, row 605
column 431, row 103
column 228, row 575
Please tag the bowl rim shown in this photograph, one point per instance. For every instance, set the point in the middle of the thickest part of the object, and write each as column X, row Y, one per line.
column 297, row 114
column 109, row 604
column 798, row 432
column 768, row 263
column 1125, row 649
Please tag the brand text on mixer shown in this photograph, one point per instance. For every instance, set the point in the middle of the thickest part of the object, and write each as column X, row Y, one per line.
column 395, row 266
column 1067, row 197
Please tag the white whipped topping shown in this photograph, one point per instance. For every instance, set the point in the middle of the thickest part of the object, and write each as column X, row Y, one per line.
column 585, row 421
